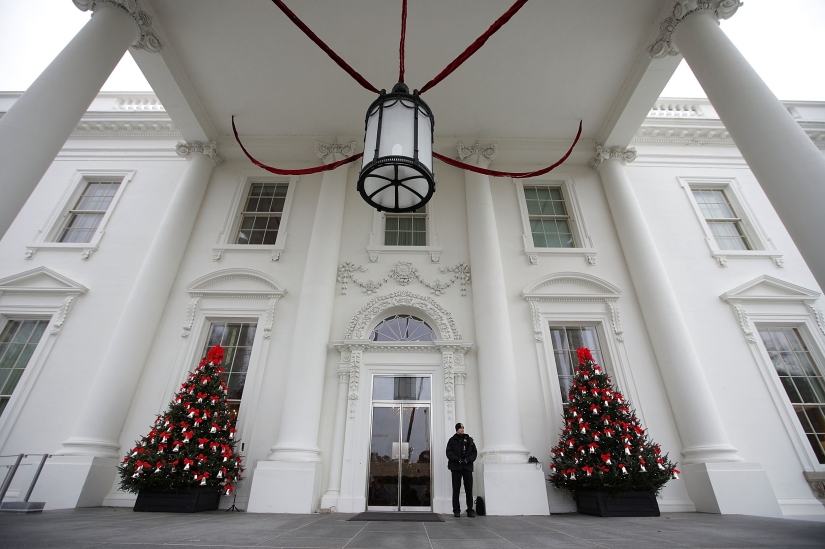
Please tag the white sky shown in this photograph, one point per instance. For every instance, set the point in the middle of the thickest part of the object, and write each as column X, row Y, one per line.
column 782, row 39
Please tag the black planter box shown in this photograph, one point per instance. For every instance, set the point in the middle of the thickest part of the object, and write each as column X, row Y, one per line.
column 624, row 504
column 182, row 500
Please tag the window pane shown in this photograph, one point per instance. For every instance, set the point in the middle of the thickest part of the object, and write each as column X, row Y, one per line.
column 265, row 203
column 403, row 328
column 790, row 389
column 805, row 389
column 565, row 342
column 236, row 338
column 401, row 388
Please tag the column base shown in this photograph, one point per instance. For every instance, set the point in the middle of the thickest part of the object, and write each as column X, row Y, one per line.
column 67, row 482
column 514, row 489
column 285, row 487
column 330, row 499
column 731, row 488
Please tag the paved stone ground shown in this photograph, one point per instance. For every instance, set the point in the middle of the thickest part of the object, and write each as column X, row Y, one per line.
column 124, row 529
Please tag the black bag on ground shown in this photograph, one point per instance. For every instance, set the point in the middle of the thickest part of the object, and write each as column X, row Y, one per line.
column 481, row 509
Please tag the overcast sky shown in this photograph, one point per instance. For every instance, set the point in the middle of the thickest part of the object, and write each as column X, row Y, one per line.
column 782, row 39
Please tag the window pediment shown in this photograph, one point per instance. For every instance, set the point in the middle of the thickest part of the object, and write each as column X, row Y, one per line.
column 41, row 280
column 768, row 288
column 570, row 286
column 236, row 283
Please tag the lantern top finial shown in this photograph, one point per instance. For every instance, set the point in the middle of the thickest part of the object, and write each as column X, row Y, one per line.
column 400, row 88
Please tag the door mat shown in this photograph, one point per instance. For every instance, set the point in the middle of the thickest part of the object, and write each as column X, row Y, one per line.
column 394, row 516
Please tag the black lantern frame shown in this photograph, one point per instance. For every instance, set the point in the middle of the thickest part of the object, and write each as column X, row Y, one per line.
column 396, row 172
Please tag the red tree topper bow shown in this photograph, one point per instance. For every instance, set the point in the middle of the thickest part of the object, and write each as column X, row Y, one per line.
column 215, row 354
column 584, row 354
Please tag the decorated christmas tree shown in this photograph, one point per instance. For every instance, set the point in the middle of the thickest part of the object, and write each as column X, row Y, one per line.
column 193, row 443
column 603, row 447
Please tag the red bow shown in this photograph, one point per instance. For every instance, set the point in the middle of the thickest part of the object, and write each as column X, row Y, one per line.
column 583, row 353
column 606, row 458
column 588, row 470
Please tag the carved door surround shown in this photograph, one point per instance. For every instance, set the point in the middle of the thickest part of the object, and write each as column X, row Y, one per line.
column 361, row 358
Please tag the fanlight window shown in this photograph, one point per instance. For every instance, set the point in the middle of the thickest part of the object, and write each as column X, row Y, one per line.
column 403, row 328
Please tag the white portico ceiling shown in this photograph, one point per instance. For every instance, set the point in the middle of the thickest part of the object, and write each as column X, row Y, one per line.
column 554, row 63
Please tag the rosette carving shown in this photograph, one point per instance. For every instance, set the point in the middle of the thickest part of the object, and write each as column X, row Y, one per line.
column 608, row 153
column 663, row 46
column 186, row 150
column 148, row 39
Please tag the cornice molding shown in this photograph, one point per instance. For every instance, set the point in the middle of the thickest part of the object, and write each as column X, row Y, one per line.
column 721, row 9
column 480, row 155
column 334, row 152
column 148, row 39
column 612, row 153
column 186, row 150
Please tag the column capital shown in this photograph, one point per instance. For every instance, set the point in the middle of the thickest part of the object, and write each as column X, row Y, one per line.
column 612, row 153
column 148, row 39
column 186, row 150
column 721, row 9
column 480, row 155
column 334, row 152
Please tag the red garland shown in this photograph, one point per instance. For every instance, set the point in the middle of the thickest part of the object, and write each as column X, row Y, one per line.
column 517, row 175
column 279, row 171
column 475, row 46
column 334, row 56
column 403, row 39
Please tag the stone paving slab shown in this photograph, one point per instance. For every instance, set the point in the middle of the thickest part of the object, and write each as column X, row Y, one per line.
column 117, row 528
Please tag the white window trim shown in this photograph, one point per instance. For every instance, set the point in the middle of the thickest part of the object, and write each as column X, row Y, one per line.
column 376, row 245
column 595, row 305
column 46, row 236
column 39, row 293
column 225, row 241
column 581, row 238
column 763, row 245
column 213, row 299
column 791, row 306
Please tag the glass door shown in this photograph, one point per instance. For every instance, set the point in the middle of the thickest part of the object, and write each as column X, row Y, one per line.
column 400, row 473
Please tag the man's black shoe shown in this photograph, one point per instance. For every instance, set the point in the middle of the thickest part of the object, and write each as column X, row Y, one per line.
column 471, row 513
column 456, row 513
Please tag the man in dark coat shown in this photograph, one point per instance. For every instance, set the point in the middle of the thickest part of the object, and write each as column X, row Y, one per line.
column 461, row 453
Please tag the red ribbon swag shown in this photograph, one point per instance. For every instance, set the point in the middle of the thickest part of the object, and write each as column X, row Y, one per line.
column 449, row 69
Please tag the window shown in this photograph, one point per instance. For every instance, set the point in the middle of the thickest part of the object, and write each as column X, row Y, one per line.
column 721, row 219
column 236, row 338
column 566, row 339
column 17, row 344
column 403, row 328
column 261, row 215
column 549, row 222
column 802, row 380
column 88, row 212
column 552, row 219
column 407, row 229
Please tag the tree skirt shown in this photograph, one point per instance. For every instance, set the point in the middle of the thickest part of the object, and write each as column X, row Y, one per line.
column 398, row 517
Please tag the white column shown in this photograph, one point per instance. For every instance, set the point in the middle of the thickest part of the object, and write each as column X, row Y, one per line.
column 512, row 486
column 110, row 397
column 460, row 402
column 704, row 440
column 336, row 460
column 289, row 480
column 83, row 469
column 788, row 166
column 37, row 126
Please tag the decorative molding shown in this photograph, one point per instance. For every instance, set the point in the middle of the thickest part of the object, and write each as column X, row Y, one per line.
column 591, row 259
column 187, row 149
column 369, row 313
column 663, row 46
column 356, row 352
column 594, row 290
column 435, row 256
column 333, row 152
column 263, row 287
column 404, row 273
column 45, row 282
column 533, row 259
column 373, row 257
column 767, row 289
column 62, row 313
column 816, row 480
column 612, row 153
column 481, row 155
column 190, row 315
column 148, row 39
column 820, row 320
column 744, row 321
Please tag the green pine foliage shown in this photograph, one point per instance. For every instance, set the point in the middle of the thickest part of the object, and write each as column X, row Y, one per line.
column 193, row 443
column 602, row 446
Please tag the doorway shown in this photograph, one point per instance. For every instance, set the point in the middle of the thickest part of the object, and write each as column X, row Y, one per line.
column 400, row 465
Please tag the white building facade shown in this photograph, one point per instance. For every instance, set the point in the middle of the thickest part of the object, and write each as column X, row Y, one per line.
column 678, row 242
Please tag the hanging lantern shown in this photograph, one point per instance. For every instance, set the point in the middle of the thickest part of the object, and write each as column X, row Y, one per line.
column 397, row 168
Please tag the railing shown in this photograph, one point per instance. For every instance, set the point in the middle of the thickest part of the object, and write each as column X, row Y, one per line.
column 674, row 110
column 21, row 506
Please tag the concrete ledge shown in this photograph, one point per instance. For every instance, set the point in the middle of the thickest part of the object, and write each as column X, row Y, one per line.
column 67, row 482
column 731, row 488
column 514, row 489
column 285, row 487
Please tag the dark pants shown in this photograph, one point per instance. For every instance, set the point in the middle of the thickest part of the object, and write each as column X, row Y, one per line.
column 468, row 488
